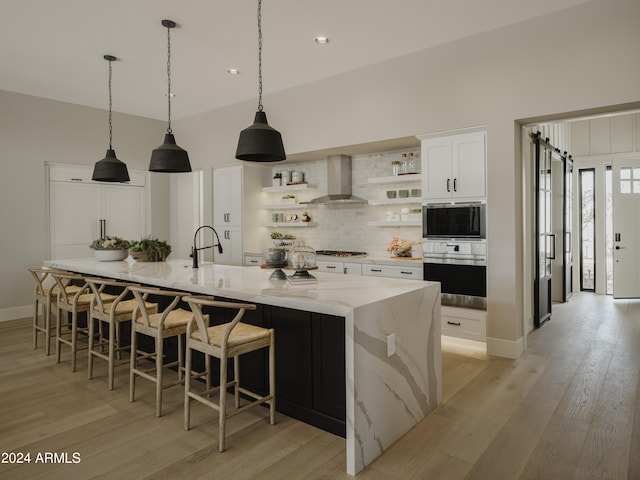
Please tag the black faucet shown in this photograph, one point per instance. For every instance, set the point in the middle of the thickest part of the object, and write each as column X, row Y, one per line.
column 194, row 249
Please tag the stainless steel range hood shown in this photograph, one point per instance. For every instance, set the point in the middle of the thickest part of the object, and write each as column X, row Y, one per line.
column 338, row 183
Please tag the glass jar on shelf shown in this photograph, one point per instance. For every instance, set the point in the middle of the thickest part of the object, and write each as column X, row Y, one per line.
column 395, row 167
column 403, row 164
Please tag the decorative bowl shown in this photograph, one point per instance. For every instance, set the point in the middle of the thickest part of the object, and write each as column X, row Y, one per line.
column 110, row 255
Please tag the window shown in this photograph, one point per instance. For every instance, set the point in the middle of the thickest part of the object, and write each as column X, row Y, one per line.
column 587, row 229
column 629, row 180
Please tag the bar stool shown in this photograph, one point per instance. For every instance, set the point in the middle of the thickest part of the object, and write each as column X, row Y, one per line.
column 45, row 295
column 171, row 322
column 229, row 340
column 73, row 303
column 112, row 312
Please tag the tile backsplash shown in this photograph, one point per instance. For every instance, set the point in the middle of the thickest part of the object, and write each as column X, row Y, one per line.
column 345, row 227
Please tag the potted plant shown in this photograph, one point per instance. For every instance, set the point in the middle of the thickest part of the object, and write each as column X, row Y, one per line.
column 288, row 199
column 280, row 240
column 110, row 249
column 149, row 250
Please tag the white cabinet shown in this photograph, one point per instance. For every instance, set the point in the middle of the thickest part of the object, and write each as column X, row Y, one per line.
column 227, row 203
column 454, row 167
column 392, row 271
column 236, row 206
column 464, row 323
column 350, row 268
column 80, row 210
column 252, row 260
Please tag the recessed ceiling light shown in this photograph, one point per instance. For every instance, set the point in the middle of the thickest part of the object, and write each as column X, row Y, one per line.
column 233, row 71
column 321, row 40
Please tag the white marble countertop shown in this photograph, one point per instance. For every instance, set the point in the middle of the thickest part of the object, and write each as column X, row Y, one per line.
column 333, row 294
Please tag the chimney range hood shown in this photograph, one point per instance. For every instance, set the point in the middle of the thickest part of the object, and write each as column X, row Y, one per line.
column 338, row 183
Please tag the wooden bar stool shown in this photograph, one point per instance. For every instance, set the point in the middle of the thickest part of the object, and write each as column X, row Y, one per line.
column 112, row 312
column 73, row 303
column 229, row 340
column 45, row 294
column 171, row 322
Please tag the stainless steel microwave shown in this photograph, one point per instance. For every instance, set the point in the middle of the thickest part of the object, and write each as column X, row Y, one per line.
column 457, row 220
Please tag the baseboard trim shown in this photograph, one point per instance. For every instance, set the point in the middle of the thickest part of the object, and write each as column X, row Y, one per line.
column 505, row 348
column 14, row 313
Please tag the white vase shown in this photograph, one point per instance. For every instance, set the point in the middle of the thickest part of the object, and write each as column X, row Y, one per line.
column 110, row 255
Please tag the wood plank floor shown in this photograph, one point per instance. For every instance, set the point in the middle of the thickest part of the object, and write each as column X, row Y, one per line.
column 568, row 408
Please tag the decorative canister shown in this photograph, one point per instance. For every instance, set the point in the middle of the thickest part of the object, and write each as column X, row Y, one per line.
column 277, row 180
column 286, row 177
column 297, row 177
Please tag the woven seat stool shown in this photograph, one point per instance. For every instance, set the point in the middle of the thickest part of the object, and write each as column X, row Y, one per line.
column 44, row 297
column 229, row 340
column 171, row 322
column 72, row 303
column 113, row 313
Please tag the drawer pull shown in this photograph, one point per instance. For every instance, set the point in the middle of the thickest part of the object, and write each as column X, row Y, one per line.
column 253, row 261
column 76, row 179
column 457, row 324
column 406, row 273
column 376, row 270
column 331, row 266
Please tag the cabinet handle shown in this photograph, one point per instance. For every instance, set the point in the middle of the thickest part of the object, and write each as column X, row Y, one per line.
column 76, row 179
column 448, row 184
column 253, row 261
column 455, row 184
column 376, row 270
column 331, row 266
column 227, row 234
column 456, row 324
column 406, row 273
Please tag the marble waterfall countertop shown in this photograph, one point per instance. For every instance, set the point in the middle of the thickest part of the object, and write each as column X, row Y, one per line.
column 386, row 394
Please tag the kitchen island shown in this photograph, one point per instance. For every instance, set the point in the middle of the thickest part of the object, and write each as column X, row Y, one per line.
column 386, row 393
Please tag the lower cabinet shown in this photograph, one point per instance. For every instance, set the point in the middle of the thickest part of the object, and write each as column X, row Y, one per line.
column 392, row 271
column 310, row 364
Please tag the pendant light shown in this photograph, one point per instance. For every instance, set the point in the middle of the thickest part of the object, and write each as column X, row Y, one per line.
column 259, row 142
column 110, row 169
column 169, row 157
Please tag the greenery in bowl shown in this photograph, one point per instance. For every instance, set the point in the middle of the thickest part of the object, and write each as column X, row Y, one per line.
column 149, row 250
column 110, row 243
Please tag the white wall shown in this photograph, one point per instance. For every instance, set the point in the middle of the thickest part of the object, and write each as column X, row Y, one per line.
column 33, row 131
column 574, row 60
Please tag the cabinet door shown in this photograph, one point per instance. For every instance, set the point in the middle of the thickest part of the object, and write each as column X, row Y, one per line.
column 124, row 209
column 437, row 177
column 468, row 165
column 73, row 217
column 329, row 382
column 227, row 196
column 231, row 241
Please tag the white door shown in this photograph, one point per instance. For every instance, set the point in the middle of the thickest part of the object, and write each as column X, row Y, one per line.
column 73, row 216
column 227, row 195
column 124, row 211
column 626, row 228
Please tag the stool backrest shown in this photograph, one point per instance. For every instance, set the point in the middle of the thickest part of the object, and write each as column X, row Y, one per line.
column 197, row 302
column 44, row 281
column 142, row 293
column 98, row 285
column 63, row 280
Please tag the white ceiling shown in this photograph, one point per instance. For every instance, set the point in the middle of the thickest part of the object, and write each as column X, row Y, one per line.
column 54, row 48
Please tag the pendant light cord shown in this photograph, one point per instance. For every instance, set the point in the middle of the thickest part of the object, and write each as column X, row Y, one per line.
column 110, row 123
column 169, row 78
column 259, row 55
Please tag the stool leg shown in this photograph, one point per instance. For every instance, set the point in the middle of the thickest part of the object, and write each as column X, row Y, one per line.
column 90, row 347
column 74, row 339
column 133, row 364
column 187, row 384
column 159, row 362
column 112, row 345
column 272, row 378
column 222, row 414
column 35, row 323
column 236, row 378
column 180, row 359
column 47, row 326
column 58, row 334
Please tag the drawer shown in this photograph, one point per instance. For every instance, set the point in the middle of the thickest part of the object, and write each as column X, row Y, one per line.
column 252, row 260
column 392, row 271
column 353, row 268
column 464, row 323
column 328, row 266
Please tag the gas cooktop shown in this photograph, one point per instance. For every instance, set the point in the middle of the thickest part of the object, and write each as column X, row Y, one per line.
column 340, row 253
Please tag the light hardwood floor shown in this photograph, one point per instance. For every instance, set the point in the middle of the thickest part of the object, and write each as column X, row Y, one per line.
column 568, row 408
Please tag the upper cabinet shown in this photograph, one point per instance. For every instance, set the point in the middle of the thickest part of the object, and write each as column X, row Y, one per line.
column 227, row 205
column 453, row 167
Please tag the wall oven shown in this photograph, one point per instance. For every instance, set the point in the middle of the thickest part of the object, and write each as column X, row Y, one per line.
column 461, row 268
column 454, row 221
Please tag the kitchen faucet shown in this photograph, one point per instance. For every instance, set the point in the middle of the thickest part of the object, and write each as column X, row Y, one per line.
column 194, row 249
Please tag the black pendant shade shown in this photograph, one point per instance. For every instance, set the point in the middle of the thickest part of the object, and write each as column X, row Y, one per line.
column 260, row 142
column 169, row 157
column 110, row 169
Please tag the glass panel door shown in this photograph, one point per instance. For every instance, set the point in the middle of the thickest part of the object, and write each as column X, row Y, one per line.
column 587, row 230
